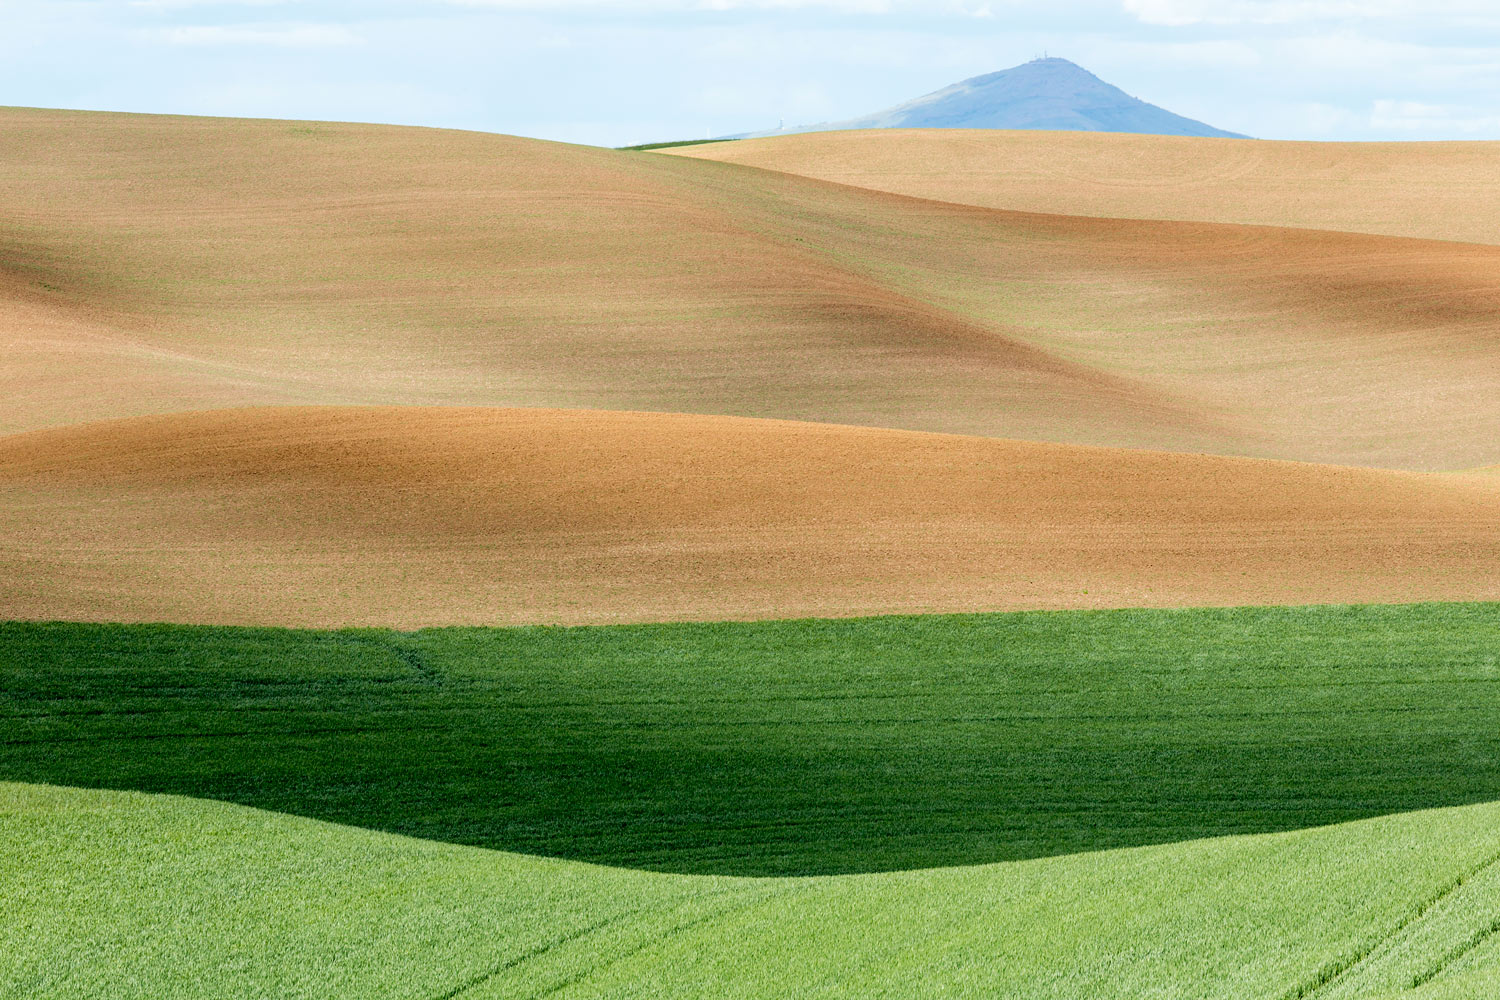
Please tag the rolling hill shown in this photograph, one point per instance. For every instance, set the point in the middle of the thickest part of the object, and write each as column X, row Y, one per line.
column 771, row 746
column 246, row 903
column 1428, row 190
column 305, row 516
column 159, row 264
column 270, row 374
column 1049, row 93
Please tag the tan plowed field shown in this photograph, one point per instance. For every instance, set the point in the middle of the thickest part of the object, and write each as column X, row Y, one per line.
column 157, row 264
column 315, row 336
column 1436, row 190
column 424, row 516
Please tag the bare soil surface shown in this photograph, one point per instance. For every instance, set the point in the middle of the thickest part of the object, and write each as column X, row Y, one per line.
column 305, row 373
column 1435, row 190
column 407, row 517
column 154, row 264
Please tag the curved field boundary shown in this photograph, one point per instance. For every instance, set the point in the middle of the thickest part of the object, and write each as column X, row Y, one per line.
column 237, row 903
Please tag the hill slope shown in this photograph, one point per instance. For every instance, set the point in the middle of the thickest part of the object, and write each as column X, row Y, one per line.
column 424, row 516
column 158, row 264
column 1431, row 190
column 240, row 903
column 1042, row 94
column 155, row 264
column 808, row 747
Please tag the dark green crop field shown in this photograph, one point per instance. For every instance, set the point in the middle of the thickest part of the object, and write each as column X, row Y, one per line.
column 804, row 747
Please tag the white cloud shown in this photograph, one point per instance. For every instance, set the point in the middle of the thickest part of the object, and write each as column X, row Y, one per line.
column 1178, row 13
column 1415, row 116
column 281, row 35
column 1354, row 53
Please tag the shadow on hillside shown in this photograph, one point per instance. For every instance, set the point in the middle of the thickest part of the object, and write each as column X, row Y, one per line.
column 784, row 748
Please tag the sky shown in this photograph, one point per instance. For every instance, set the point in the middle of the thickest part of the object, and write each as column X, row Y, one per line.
column 632, row 71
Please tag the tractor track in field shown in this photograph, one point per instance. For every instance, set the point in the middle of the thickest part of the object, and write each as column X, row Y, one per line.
column 577, row 935
column 1485, row 933
column 1332, row 973
column 671, row 932
column 418, row 664
column 477, row 981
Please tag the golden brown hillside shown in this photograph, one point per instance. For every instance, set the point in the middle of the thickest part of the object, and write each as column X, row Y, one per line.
column 155, row 264
column 1434, row 190
column 424, row 516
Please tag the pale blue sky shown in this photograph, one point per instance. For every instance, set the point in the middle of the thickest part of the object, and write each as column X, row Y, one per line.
column 624, row 72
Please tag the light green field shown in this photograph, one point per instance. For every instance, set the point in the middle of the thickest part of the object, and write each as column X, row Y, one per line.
column 1272, row 802
column 121, row 894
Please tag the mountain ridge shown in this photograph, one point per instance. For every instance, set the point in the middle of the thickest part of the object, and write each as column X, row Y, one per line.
column 1050, row 94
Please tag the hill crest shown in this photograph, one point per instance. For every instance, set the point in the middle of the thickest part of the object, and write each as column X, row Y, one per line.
column 1050, row 94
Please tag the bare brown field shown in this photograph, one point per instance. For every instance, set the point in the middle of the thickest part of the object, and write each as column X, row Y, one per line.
column 426, row 516
column 1432, row 190
column 320, row 374
column 157, row 264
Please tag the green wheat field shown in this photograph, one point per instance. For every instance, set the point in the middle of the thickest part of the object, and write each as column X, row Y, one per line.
column 1287, row 802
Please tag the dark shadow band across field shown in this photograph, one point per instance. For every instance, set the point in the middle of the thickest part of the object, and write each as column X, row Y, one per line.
column 801, row 747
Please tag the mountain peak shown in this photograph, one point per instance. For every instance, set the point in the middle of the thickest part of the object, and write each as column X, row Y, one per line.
column 1048, row 93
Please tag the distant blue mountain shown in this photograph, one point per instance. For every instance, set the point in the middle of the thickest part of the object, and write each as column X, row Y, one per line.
column 1042, row 94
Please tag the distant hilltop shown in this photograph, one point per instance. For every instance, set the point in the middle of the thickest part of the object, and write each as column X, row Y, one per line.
column 1042, row 94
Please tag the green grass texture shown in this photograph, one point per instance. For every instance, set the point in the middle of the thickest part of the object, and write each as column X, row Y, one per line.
column 789, row 748
column 124, row 895
column 648, row 146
